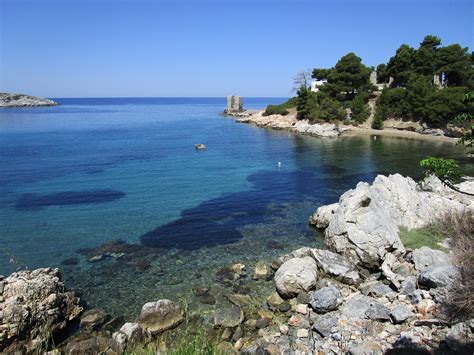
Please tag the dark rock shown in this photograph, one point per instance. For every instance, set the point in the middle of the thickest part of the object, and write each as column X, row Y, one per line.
column 284, row 307
column 400, row 314
column 438, row 276
column 200, row 290
column 208, row 299
column 70, row 262
column 378, row 311
column 303, row 298
column 94, row 319
column 324, row 323
column 325, row 299
column 262, row 323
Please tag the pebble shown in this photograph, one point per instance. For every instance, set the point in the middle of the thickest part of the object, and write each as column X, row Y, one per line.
column 284, row 329
column 302, row 333
column 301, row 308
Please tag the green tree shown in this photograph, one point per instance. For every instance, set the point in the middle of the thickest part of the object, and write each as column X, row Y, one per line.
column 321, row 73
column 382, row 73
column 425, row 58
column 360, row 109
column 347, row 77
column 455, row 62
column 418, row 93
column 400, row 66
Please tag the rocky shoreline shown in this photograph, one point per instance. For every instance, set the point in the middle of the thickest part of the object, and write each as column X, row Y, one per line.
column 366, row 294
column 21, row 100
column 393, row 128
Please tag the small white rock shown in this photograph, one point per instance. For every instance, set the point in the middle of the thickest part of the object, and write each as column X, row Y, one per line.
column 302, row 333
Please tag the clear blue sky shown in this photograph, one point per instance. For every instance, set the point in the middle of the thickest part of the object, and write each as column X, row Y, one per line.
column 103, row 48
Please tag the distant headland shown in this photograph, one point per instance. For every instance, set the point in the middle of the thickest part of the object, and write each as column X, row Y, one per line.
column 22, row 100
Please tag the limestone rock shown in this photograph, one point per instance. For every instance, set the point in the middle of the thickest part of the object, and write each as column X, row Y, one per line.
column 325, row 299
column 21, row 100
column 336, row 265
column 32, row 301
column 438, row 276
column 425, row 258
column 295, row 275
column 364, row 226
column 323, row 215
column 156, row 317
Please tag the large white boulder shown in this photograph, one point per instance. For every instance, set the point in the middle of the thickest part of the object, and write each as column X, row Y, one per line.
column 364, row 224
column 296, row 275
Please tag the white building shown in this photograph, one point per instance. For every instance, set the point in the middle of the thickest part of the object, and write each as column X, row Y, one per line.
column 315, row 84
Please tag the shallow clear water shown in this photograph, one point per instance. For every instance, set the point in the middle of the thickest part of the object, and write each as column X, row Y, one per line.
column 94, row 170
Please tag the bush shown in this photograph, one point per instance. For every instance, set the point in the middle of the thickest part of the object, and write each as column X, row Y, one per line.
column 360, row 108
column 459, row 304
column 329, row 109
column 275, row 110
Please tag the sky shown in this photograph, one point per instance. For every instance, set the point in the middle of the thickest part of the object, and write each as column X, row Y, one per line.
column 208, row 48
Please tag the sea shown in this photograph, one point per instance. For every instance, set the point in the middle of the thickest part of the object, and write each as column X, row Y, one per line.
column 120, row 179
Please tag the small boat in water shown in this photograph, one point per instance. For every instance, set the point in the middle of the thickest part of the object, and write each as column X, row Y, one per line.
column 200, row 146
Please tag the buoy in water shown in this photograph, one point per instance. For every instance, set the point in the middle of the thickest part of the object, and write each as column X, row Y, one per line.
column 279, row 164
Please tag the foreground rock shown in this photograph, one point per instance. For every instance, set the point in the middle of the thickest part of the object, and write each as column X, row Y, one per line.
column 35, row 306
column 364, row 224
column 20, row 100
column 296, row 275
column 156, row 317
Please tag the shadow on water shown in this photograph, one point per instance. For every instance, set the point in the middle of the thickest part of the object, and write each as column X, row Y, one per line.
column 29, row 202
column 217, row 221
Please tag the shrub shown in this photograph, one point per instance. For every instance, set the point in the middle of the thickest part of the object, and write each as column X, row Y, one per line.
column 459, row 304
column 329, row 109
column 428, row 236
column 275, row 110
column 360, row 108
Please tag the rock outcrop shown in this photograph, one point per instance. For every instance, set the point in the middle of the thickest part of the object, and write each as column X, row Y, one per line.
column 364, row 224
column 35, row 308
column 290, row 123
column 21, row 100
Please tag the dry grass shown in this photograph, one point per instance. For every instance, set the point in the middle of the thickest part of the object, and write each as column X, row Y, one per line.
column 460, row 301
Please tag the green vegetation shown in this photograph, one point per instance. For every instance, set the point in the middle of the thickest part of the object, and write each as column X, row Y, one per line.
column 448, row 170
column 347, row 86
column 281, row 109
column 275, row 110
column 428, row 236
column 415, row 94
column 427, row 84
column 182, row 344
column 360, row 110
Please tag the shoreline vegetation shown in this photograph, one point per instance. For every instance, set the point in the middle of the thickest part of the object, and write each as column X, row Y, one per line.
column 289, row 122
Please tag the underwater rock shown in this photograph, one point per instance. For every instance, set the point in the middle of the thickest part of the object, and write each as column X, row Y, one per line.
column 228, row 317
column 261, row 271
column 113, row 248
column 156, row 317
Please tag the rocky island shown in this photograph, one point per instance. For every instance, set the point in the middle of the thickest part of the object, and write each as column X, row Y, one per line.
column 21, row 100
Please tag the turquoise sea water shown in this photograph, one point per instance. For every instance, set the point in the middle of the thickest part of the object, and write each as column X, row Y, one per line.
column 93, row 170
